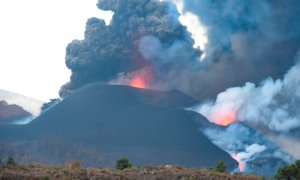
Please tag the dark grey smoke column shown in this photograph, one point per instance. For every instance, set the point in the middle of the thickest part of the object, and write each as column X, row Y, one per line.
column 109, row 50
column 248, row 41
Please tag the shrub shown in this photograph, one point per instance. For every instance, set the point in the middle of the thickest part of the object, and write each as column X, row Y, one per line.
column 10, row 162
column 123, row 163
column 45, row 178
column 221, row 167
column 289, row 171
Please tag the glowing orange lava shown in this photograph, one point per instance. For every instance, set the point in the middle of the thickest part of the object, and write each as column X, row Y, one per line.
column 241, row 163
column 141, row 78
column 138, row 82
column 224, row 118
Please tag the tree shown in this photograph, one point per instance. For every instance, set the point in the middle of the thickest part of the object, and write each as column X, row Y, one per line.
column 289, row 172
column 221, row 167
column 50, row 104
column 123, row 163
column 10, row 162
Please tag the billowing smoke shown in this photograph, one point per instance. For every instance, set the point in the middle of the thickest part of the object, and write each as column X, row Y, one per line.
column 251, row 149
column 271, row 107
column 288, row 143
column 243, row 41
column 122, row 47
column 273, row 104
column 248, row 41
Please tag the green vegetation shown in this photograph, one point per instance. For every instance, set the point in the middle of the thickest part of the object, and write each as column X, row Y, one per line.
column 221, row 167
column 123, row 163
column 289, row 172
column 45, row 178
column 44, row 172
column 10, row 162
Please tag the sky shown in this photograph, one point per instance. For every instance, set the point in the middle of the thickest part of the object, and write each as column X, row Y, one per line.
column 33, row 38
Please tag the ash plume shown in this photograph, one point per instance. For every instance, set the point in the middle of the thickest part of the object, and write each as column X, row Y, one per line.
column 247, row 41
column 110, row 50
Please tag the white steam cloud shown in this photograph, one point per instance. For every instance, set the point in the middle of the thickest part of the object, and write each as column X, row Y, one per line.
column 272, row 104
column 248, row 154
column 30, row 105
column 248, row 147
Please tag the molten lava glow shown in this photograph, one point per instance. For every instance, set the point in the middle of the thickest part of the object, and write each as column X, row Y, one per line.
column 138, row 82
column 224, row 118
column 241, row 163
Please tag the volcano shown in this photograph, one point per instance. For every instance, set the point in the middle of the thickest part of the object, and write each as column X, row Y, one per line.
column 100, row 123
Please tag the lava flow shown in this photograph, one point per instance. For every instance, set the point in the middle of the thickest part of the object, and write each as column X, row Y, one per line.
column 241, row 163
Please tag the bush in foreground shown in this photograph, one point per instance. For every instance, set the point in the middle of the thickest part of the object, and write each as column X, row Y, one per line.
column 10, row 162
column 221, row 167
column 289, row 171
column 123, row 163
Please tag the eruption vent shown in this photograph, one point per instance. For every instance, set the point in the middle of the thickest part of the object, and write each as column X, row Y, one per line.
column 223, row 114
column 141, row 78
column 138, row 82
column 224, row 118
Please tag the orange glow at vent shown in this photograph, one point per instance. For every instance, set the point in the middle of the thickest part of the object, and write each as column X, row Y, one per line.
column 224, row 118
column 138, row 82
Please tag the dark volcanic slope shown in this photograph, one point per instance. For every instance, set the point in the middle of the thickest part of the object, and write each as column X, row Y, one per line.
column 146, row 126
column 11, row 113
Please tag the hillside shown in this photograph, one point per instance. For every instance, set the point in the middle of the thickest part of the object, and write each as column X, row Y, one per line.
column 28, row 104
column 109, row 122
column 163, row 172
column 12, row 113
